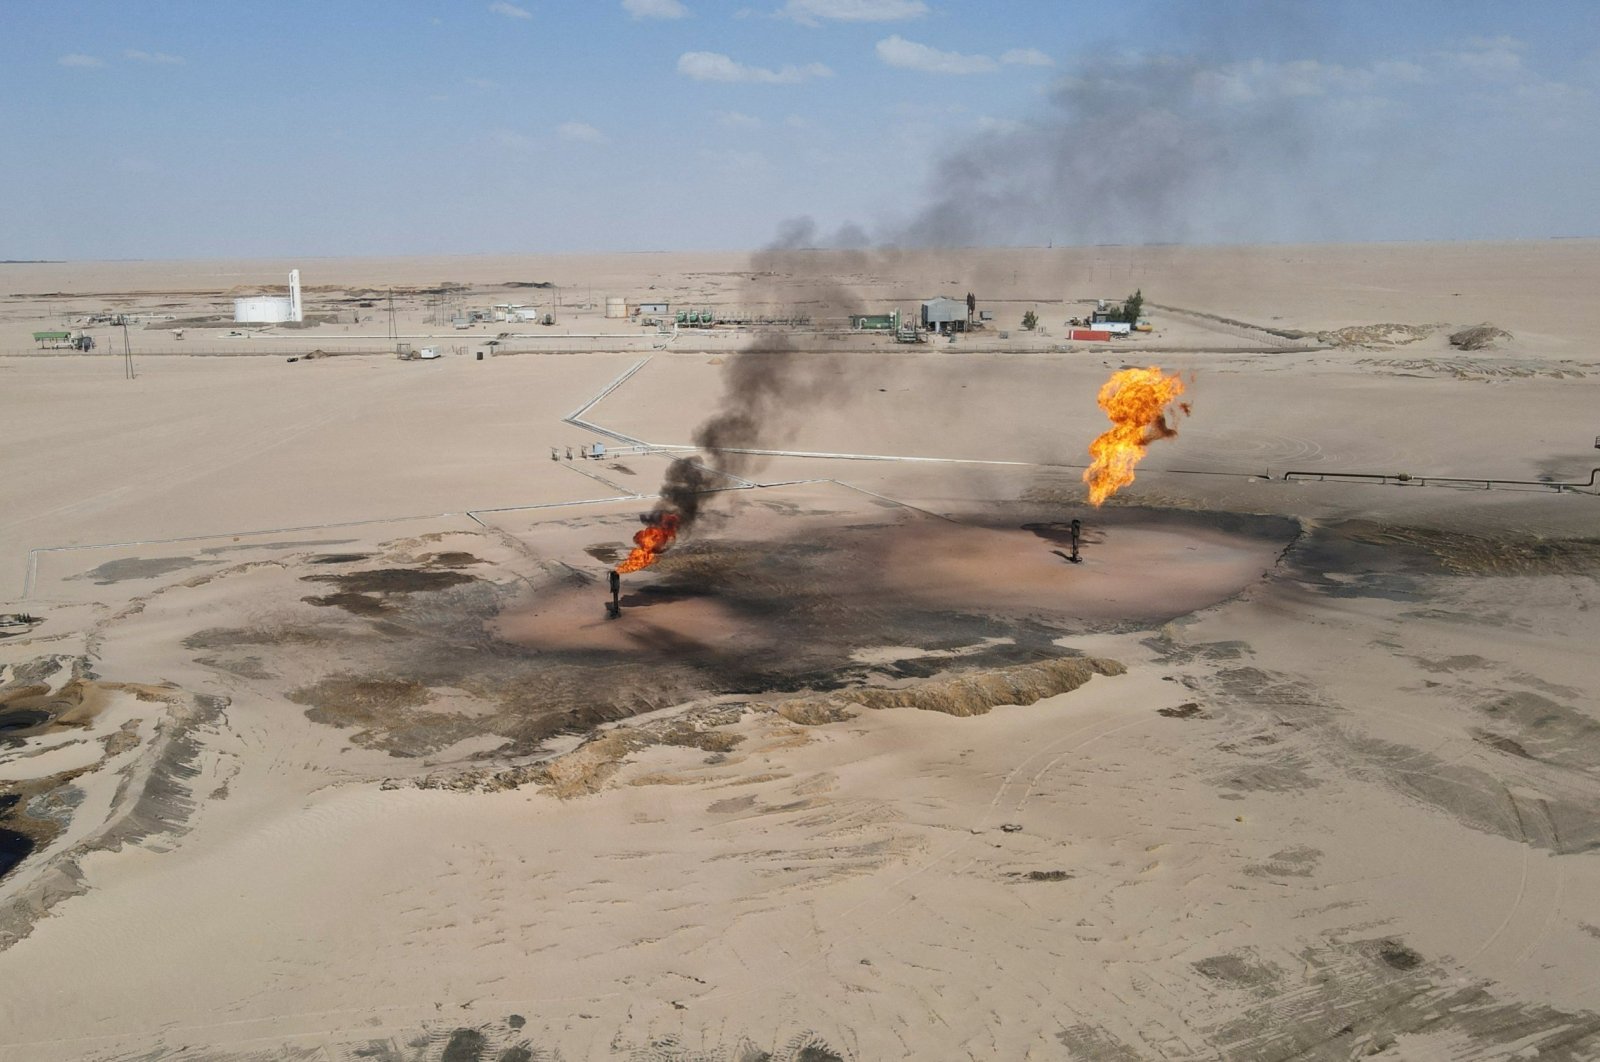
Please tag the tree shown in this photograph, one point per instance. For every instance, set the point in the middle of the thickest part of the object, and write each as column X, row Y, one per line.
column 1030, row 321
column 1133, row 307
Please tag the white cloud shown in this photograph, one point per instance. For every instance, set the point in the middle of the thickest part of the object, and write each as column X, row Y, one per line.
column 810, row 12
column 1026, row 57
column 582, row 132
column 655, row 8
column 478, row 82
column 909, row 55
column 1400, row 70
column 161, row 58
column 737, row 120
column 78, row 59
column 500, row 7
column 714, row 66
column 1494, row 57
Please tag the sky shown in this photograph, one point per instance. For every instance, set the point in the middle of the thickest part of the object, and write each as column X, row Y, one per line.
column 180, row 129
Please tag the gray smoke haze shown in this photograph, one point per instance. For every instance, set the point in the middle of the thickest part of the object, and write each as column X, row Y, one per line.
column 1130, row 151
column 1156, row 148
column 1212, row 144
column 769, row 385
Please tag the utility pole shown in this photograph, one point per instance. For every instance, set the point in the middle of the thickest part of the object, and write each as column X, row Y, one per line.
column 127, row 353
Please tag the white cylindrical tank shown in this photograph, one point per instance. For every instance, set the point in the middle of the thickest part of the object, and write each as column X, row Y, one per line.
column 263, row 309
column 616, row 306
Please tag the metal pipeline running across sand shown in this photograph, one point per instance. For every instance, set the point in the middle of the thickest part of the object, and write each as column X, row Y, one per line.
column 576, row 419
column 1406, row 479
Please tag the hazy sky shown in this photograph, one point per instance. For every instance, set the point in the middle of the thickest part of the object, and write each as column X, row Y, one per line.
column 198, row 129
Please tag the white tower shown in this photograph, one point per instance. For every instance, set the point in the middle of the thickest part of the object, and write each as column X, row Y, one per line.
column 296, row 311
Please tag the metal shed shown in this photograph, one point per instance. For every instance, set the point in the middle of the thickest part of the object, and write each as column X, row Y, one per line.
column 944, row 314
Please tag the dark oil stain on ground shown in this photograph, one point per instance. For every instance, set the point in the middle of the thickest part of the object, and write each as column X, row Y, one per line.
column 1398, row 955
column 135, row 568
column 14, row 848
column 452, row 559
column 392, row 580
column 355, row 604
column 1392, row 561
column 23, row 719
column 357, row 589
column 466, row 1045
column 799, row 608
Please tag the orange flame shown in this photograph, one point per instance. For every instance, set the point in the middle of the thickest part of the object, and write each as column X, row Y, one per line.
column 650, row 541
column 1136, row 400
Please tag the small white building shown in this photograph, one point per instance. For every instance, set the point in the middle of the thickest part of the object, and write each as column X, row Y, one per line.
column 653, row 309
column 515, row 313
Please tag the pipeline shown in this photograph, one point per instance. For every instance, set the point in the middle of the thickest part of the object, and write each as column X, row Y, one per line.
column 575, row 418
column 1405, row 478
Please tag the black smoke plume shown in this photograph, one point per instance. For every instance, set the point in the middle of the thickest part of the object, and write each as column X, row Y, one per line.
column 770, row 384
column 1140, row 148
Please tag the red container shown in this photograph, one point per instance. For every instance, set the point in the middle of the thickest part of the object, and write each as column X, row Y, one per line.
column 1090, row 333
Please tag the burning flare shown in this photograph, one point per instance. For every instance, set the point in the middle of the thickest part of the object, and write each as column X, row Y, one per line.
column 1136, row 400
column 650, row 541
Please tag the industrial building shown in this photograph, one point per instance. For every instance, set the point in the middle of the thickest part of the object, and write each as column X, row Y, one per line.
column 271, row 309
column 510, row 312
column 944, row 314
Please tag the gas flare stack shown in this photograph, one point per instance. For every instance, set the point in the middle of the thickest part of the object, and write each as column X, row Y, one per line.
column 614, row 606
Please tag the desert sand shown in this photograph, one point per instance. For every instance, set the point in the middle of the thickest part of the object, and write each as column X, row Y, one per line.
column 316, row 742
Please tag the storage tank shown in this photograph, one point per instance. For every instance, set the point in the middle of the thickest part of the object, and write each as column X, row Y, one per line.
column 263, row 309
column 271, row 309
column 616, row 306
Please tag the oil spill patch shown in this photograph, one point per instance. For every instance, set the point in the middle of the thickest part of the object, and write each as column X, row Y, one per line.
column 1239, row 971
column 130, row 568
column 1385, row 552
column 451, row 559
column 355, row 604
column 606, row 554
column 392, row 581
